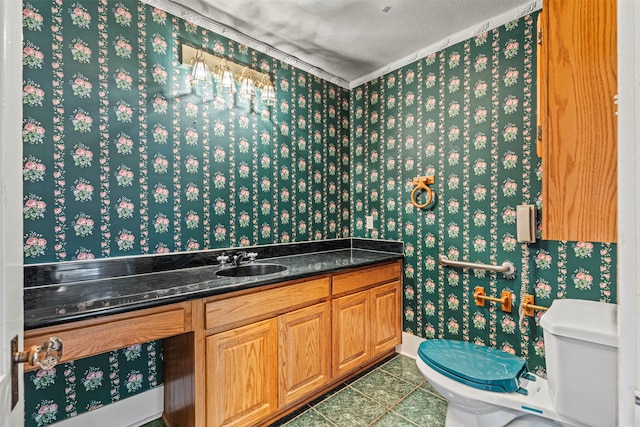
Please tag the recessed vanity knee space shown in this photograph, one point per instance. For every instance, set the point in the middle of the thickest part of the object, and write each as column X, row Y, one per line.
column 252, row 352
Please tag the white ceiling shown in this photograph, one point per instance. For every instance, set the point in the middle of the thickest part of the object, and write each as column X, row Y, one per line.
column 349, row 42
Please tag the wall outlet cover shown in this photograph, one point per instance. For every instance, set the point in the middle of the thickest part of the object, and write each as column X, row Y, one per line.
column 369, row 222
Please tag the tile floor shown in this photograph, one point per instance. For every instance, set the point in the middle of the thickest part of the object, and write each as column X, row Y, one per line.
column 392, row 394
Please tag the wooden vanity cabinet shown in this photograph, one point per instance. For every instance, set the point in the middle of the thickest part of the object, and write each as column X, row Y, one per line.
column 247, row 358
column 366, row 323
column 89, row 337
column 268, row 349
column 351, row 332
column 386, row 319
column 256, row 355
column 255, row 369
column 304, row 339
column 577, row 134
column 241, row 374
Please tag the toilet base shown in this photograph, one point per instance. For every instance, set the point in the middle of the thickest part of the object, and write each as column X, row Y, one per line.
column 472, row 407
column 461, row 417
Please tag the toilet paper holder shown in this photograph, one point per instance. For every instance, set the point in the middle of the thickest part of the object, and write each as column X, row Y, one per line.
column 528, row 306
column 421, row 183
column 480, row 297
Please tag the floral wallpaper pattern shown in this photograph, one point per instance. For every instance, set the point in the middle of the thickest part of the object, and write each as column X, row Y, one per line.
column 466, row 115
column 122, row 158
column 88, row 384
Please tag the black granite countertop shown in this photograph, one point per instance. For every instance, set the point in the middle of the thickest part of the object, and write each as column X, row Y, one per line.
column 88, row 290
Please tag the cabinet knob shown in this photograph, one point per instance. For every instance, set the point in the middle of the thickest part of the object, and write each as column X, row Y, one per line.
column 44, row 356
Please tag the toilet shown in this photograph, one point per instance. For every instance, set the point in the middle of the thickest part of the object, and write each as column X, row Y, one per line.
column 487, row 387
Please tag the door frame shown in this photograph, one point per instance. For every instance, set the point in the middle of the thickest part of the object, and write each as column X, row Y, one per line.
column 628, row 211
column 11, row 253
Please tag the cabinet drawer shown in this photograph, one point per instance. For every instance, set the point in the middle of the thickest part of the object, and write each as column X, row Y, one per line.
column 354, row 280
column 249, row 307
column 95, row 336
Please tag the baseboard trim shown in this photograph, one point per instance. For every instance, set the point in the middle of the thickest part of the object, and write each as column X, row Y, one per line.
column 409, row 345
column 130, row 412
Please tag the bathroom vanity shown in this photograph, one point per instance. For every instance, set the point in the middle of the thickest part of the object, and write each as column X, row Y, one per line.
column 237, row 350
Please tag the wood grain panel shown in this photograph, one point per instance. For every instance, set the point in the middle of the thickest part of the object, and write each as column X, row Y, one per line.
column 304, row 346
column 179, row 396
column 184, row 375
column 386, row 321
column 90, row 337
column 241, row 374
column 229, row 312
column 359, row 279
column 579, row 65
column 351, row 332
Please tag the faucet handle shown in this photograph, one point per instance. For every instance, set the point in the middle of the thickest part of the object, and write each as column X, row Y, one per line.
column 252, row 256
column 222, row 259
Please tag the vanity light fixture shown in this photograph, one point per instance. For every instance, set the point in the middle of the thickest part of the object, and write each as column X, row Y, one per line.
column 247, row 86
column 226, row 82
column 200, row 75
column 226, row 74
column 268, row 96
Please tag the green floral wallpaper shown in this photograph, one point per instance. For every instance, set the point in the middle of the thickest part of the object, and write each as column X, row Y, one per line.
column 122, row 158
column 87, row 384
column 466, row 114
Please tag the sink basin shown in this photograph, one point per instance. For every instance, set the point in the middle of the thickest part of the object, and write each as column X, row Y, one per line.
column 245, row 270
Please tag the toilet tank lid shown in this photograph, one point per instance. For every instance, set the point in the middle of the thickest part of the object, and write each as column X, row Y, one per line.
column 591, row 321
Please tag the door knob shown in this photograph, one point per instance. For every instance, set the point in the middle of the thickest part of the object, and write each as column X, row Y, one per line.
column 44, row 356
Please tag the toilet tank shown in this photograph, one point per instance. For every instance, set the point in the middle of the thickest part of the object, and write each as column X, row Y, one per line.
column 581, row 345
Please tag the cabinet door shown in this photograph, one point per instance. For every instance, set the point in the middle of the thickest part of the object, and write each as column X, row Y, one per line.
column 351, row 332
column 578, row 82
column 241, row 374
column 304, row 341
column 386, row 323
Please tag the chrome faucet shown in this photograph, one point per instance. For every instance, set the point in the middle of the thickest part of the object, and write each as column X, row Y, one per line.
column 241, row 256
column 238, row 257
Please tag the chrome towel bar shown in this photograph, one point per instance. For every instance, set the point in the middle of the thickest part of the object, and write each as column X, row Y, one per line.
column 507, row 267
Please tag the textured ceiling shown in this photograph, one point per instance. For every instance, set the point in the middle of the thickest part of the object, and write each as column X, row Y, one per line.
column 353, row 40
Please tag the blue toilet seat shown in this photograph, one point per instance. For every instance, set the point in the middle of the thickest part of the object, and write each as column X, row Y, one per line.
column 475, row 365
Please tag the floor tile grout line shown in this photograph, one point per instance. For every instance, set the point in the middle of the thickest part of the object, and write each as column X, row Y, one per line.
column 397, row 376
column 386, row 410
column 404, row 379
column 306, row 412
column 396, row 404
column 436, row 394
column 390, row 409
column 382, row 403
column 410, row 421
column 324, row 417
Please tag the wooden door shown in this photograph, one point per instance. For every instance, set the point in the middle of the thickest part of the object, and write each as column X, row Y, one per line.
column 578, row 83
column 241, row 371
column 304, row 346
column 386, row 322
column 351, row 332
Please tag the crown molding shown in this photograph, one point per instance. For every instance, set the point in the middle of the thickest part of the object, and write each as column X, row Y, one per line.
column 226, row 31
column 192, row 16
column 493, row 23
